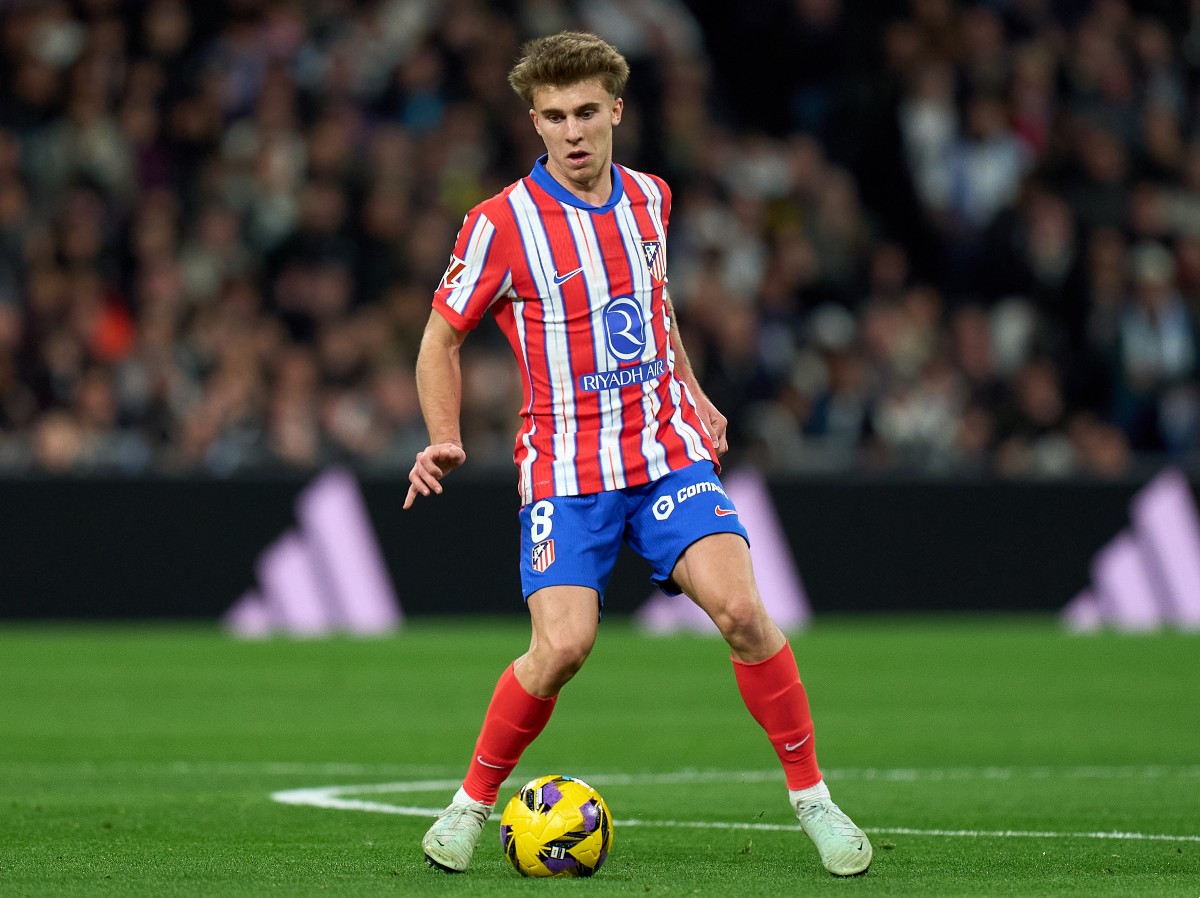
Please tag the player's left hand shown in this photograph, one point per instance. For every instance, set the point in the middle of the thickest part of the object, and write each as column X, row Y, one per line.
column 432, row 464
column 716, row 423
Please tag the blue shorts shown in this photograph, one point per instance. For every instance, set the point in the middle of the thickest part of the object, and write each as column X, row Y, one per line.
column 573, row 540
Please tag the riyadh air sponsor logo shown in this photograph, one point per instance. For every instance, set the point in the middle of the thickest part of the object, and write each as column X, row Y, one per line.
column 623, row 377
column 560, row 279
column 665, row 505
column 625, row 328
column 542, row 556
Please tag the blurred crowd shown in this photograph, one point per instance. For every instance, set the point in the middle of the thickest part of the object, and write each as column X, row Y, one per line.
column 921, row 235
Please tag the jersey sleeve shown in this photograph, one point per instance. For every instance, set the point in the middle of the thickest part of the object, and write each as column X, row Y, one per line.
column 477, row 276
column 666, row 202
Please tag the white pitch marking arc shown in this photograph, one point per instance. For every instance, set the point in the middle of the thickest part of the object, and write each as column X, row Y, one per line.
column 333, row 798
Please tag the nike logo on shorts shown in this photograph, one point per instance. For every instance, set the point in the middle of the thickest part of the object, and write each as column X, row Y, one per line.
column 724, row 512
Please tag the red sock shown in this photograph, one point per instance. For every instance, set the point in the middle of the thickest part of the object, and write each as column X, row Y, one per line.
column 513, row 720
column 776, row 698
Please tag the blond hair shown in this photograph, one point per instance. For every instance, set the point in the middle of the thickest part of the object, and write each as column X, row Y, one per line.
column 566, row 58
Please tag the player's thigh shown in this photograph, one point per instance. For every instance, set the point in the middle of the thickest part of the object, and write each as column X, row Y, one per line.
column 564, row 619
column 678, row 511
column 715, row 571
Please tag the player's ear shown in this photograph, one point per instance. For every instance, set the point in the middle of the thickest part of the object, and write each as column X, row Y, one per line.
column 618, row 106
column 533, row 117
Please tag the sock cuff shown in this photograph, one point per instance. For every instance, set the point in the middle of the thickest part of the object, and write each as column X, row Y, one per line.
column 785, row 651
column 817, row 791
column 509, row 679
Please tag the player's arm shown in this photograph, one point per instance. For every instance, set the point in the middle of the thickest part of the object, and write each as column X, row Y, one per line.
column 716, row 423
column 439, row 386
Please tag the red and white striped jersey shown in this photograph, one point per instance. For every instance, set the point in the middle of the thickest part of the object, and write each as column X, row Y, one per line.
column 578, row 291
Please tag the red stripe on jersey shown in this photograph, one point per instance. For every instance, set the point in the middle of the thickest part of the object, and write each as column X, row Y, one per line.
column 530, row 351
column 618, row 268
column 639, row 187
column 577, row 309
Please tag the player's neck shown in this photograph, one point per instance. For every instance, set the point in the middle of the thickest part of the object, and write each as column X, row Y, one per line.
column 594, row 191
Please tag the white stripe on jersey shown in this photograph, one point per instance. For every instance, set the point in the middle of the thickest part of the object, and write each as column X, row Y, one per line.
column 695, row 441
column 653, row 451
column 562, row 401
column 587, row 244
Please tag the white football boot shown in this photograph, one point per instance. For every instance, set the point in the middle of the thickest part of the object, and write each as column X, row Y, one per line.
column 844, row 848
column 451, row 840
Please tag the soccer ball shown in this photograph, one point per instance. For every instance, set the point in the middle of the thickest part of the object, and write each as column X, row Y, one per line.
column 556, row 826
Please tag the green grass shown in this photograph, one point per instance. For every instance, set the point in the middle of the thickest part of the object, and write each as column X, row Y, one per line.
column 140, row 761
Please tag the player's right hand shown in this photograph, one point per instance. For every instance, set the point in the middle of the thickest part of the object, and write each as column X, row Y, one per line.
column 432, row 464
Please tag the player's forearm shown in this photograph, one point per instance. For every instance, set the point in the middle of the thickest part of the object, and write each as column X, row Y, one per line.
column 683, row 364
column 439, row 387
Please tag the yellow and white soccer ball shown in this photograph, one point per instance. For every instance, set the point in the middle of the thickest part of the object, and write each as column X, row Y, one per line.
column 556, row 826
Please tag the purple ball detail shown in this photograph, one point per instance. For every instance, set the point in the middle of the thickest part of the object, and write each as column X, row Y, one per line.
column 550, row 795
column 559, row 864
column 505, row 834
column 591, row 815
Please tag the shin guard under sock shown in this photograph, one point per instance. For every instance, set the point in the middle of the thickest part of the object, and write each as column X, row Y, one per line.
column 776, row 698
column 514, row 719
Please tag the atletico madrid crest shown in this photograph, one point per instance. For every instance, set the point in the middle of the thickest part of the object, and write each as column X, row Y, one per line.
column 543, row 555
column 656, row 260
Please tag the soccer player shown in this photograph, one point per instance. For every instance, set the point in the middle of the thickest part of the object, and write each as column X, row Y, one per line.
column 617, row 439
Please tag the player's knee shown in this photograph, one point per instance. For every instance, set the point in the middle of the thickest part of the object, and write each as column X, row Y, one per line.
column 743, row 622
column 565, row 655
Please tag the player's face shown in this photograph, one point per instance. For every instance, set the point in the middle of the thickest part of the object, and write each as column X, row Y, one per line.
column 576, row 124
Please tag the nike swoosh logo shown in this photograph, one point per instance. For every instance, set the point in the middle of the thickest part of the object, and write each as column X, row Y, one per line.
column 480, row 759
column 724, row 512
column 790, row 746
column 563, row 278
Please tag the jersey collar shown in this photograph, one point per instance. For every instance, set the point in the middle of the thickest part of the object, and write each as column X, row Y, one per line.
column 546, row 181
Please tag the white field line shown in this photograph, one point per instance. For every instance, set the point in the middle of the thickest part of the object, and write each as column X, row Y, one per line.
column 900, row 774
column 880, row 774
column 335, row 798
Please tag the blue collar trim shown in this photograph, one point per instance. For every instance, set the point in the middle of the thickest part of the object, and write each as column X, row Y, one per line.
column 546, row 181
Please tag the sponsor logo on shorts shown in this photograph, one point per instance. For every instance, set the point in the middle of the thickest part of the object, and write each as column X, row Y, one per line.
column 664, row 505
column 543, row 555
column 724, row 512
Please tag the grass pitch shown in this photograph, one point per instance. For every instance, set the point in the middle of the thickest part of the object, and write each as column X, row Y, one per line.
column 985, row 757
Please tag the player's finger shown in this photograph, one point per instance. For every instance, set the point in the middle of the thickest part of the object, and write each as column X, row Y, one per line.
column 425, row 479
column 410, row 498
